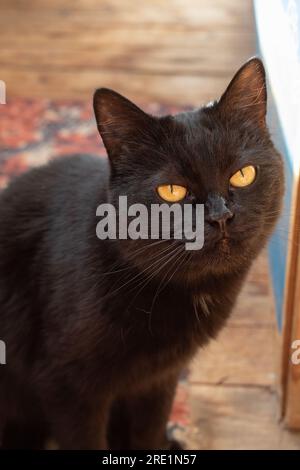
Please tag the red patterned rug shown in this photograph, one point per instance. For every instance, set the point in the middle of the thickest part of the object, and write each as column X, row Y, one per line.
column 34, row 131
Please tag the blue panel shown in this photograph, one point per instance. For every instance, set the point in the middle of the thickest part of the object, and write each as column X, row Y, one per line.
column 279, row 241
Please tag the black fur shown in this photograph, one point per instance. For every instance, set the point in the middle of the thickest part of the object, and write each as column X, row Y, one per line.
column 97, row 332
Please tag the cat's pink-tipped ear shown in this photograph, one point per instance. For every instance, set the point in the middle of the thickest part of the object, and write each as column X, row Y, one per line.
column 120, row 122
column 246, row 94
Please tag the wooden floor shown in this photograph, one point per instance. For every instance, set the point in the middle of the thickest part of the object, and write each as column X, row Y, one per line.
column 233, row 392
column 174, row 51
column 178, row 52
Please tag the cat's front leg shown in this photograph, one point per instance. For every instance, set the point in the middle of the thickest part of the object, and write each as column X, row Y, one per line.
column 78, row 425
column 148, row 414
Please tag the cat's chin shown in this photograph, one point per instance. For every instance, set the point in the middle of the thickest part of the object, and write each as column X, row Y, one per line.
column 218, row 247
column 224, row 256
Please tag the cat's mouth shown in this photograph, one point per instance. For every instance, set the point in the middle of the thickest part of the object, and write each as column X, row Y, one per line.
column 223, row 238
column 225, row 243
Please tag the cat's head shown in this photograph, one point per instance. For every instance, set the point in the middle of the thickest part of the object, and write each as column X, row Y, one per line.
column 219, row 155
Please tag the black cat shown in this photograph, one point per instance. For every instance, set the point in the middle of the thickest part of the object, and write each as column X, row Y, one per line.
column 97, row 331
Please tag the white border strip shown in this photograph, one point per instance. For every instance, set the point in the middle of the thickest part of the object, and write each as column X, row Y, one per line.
column 280, row 44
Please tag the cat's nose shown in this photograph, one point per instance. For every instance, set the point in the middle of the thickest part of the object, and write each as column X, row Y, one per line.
column 217, row 211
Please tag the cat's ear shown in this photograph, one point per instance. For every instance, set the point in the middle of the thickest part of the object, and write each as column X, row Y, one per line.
column 120, row 122
column 246, row 94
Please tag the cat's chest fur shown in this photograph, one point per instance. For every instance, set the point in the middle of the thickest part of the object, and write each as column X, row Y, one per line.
column 157, row 338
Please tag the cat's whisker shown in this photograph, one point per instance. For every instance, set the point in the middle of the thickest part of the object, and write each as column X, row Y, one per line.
column 150, row 245
column 184, row 256
column 129, row 268
column 284, row 239
column 141, row 272
column 159, row 288
column 154, row 273
column 136, row 252
column 174, row 256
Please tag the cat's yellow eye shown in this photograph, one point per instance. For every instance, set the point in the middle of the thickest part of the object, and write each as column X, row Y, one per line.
column 244, row 177
column 172, row 192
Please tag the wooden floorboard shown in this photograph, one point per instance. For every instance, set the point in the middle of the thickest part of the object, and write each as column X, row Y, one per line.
column 233, row 391
column 236, row 418
column 174, row 52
